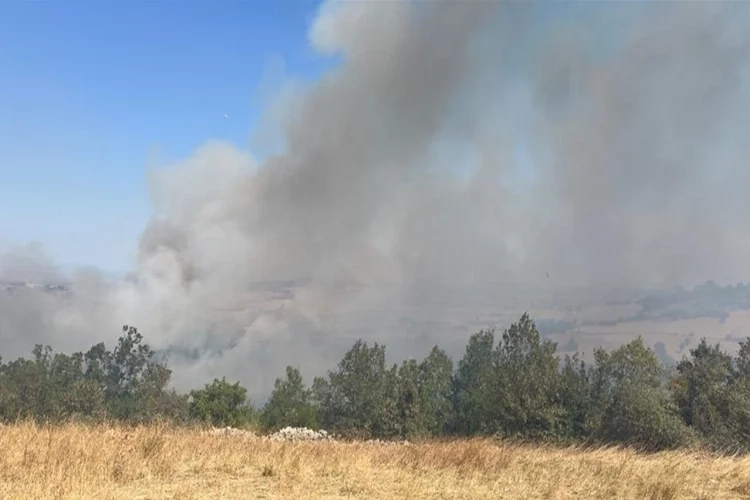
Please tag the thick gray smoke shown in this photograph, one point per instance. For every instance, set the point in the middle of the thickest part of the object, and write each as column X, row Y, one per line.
column 400, row 188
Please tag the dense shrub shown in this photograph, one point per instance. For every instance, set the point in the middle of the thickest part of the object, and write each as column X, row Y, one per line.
column 512, row 385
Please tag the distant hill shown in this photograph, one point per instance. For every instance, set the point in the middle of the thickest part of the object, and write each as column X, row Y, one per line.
column 11, row 287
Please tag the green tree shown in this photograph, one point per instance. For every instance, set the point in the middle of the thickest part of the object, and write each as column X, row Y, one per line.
column 409, row 402
column 290, row 403
column 134, row 384
column 742, row 362
column 702, row 386
column 394, row 417
column 435, row 380
column 738, row 415
column 125, row 367
column 221, row 403
column 575, row 398
column 473, row 385
column 78, row 398
column 23, row 392
column 84, row 400
column 526, row 383
column 632, row 404
column 354, row 399
column 124, row 384
column 28, row 389
column 154, row 400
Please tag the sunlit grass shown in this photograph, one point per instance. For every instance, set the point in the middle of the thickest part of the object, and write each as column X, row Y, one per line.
column 76, row 461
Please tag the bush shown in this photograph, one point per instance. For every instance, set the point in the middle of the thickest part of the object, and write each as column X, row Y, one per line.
column 645, row 417
column 222, row 404
column 290, row 404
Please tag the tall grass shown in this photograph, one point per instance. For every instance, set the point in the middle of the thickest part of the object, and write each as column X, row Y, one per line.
column 159, row 462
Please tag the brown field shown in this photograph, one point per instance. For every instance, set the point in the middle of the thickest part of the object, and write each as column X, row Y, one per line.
column 157, row 462
column 671, row 332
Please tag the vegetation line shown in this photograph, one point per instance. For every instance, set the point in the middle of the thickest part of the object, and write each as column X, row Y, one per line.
column 512, row 385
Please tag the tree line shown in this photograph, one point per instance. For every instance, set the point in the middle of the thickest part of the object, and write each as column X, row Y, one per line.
column 512, row 385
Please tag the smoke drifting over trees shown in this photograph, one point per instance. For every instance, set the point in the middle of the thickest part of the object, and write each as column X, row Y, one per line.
column 399, row 174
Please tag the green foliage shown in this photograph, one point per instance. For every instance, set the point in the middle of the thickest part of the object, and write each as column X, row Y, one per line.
column 364, row 398
column 713, row 393
column 85, row 401
column 517, row 387
column 702, row 388
column 526, row 384
column 644, row 416
column 354, row 398
column 575, row 399
column 513, row 388
column 435, row 389
column 631, row 403
column 409, row 403
column 221, row 403
column 742, row 362
column 473, row 389
column 290, row 404
column 738, row 417
column 125, row 384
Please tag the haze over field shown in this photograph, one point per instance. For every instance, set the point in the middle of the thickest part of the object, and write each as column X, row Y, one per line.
column 469, row 150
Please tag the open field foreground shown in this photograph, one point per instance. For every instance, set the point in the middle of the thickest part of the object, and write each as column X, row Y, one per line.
column 152, row 462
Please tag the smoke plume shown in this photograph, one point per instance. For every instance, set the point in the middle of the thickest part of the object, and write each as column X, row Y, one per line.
column 461, row 149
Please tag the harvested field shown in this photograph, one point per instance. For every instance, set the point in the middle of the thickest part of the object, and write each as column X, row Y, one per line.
column 76, row 461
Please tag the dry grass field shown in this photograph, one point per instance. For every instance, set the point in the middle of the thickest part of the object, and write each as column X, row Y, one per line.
column 160, row 463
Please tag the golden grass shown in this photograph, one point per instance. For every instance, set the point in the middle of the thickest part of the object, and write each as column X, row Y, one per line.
column 75, row 461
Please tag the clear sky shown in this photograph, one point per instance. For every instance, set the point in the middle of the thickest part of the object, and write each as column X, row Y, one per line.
column 89, row 91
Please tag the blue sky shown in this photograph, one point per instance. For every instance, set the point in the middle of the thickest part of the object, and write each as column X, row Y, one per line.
column 90, row 90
